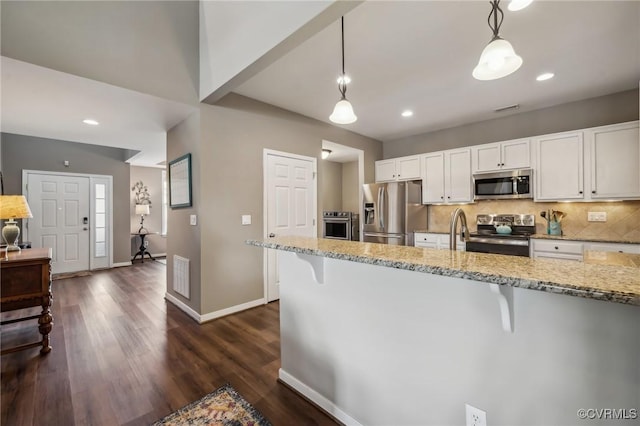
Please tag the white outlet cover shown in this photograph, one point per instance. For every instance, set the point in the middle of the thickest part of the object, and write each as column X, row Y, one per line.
column 193, row 220
column 597, row 216
column 246, row 219
column 475, row 416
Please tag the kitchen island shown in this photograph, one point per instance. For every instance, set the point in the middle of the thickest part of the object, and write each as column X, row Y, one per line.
column 379, row 334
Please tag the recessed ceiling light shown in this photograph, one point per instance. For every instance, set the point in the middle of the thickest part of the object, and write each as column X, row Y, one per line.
column 545, row 76
column 407, row 113
column 90, row 122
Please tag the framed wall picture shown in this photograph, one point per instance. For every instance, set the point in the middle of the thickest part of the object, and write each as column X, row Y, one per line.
column 180, row 182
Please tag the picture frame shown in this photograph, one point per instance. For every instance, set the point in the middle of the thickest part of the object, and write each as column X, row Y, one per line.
column 180, row 182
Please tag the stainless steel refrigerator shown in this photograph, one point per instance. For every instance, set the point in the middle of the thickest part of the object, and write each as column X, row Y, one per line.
column 392, row 212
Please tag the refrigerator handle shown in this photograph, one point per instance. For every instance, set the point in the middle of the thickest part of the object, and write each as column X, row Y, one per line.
column 381, row 205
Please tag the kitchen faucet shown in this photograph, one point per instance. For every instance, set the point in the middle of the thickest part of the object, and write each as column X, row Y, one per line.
column 464, row 229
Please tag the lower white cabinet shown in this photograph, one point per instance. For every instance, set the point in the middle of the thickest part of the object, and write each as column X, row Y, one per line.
column 436, row 241
column 556, row 249
column 573, row 250
column 614, row 247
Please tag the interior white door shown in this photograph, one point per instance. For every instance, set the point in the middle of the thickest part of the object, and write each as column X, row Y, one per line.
column 60, row 208
column 290, row 206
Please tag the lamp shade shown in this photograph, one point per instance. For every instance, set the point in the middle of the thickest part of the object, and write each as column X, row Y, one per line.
column 14, row 207
column 142, row 209
column 497, row 60
column 343, row 113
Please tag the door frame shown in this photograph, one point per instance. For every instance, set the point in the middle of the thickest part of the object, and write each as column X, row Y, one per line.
column 109, row 208
column 265, row 210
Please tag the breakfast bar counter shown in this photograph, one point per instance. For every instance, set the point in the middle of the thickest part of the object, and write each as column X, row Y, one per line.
column 604, row 276
column 379, row 335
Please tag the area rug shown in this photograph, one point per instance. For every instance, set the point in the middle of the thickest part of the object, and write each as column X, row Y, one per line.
column 223, row 407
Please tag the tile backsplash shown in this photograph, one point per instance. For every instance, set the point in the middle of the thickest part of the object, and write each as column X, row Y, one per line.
column 623, row 217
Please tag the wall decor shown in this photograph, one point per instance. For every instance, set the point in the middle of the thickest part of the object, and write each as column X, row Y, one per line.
column 142, row 195
column 180, row 182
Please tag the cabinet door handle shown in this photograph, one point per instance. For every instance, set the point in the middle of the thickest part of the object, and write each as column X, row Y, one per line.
column 579, row 192
column 498, row 164
column 442, row 197
column 556, row 247
column 593, row 192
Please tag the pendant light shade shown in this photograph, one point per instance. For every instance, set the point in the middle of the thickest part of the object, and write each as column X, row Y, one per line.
column 343, row 111
column 498, row 59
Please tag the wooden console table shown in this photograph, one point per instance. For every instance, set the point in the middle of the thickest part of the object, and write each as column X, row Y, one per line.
column 26, row 282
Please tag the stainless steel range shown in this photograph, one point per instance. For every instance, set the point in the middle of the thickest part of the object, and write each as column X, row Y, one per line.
column 502, row 234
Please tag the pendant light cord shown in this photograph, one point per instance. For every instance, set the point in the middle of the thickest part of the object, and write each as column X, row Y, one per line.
column 342, row 86
column 495, row 9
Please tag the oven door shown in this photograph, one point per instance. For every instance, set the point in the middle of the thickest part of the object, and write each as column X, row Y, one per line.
column 495, row 246
column 337, row 229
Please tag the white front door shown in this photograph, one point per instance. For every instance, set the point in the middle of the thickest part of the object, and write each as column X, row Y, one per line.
column 60, row 208
column 290, row 205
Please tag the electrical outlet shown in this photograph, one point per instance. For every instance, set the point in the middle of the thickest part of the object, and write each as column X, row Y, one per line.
column 475, row 416
column 193, row 220
column 597, row 216
column 246, row 219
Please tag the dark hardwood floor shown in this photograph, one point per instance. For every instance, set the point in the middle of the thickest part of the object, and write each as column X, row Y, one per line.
column 123, row 355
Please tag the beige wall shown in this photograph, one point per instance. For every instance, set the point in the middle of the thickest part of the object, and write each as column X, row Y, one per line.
column 623, row 218
column 329, row 186
column 350, row 187
column 20, row 152
column 183, row 239
column 615, row 108
column 152, row 178
column 234, row 135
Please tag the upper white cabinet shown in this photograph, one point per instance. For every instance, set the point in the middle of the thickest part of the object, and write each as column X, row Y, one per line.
column 506, row 155
column 447, row 177
column 394, row 169
column 600, row 163
column 559, row 167
column 615, row 161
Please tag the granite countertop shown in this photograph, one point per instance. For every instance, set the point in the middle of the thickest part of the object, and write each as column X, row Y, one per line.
column 613, row 277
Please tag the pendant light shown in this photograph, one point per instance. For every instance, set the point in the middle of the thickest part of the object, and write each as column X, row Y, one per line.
column 343, row 111
column 498, row 59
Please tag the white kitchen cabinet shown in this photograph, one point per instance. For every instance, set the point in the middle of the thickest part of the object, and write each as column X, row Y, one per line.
column 398, row 169
column 615, row 161
column 556, row 249
column 447, row 177
column 436, row 241
column 559, row 165
column 498, row 156
column 613, row 247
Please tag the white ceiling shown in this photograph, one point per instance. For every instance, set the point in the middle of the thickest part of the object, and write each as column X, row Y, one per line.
column 41, row 102
column 415, row 54
column 419, row 55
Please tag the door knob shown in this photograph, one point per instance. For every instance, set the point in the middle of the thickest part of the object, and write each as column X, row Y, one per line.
column 271, row 235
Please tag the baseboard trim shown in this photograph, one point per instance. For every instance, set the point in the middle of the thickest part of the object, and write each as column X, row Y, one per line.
column 121, row 264
column 323, row 403
column 231, row 310
column 211, row 315
column 183, row 306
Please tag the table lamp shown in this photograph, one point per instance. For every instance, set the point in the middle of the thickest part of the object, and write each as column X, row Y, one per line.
column 13, row 207
column 142, row 210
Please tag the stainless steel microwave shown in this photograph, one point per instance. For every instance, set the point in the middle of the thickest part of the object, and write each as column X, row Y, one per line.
column 501, row 185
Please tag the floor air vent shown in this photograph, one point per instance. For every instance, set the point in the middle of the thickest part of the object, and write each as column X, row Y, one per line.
column 181, row 276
